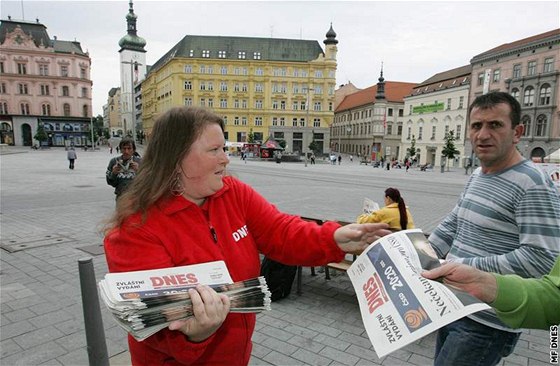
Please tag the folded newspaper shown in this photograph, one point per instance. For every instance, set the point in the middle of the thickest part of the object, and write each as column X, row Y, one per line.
column 369, row 206
column 397, row 304
column 144, row 302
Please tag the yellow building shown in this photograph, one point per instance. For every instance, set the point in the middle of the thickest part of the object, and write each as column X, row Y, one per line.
column 265, row 86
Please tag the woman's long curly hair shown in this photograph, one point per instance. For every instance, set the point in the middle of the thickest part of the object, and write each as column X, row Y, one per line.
column 396, row 197
column 172, row 136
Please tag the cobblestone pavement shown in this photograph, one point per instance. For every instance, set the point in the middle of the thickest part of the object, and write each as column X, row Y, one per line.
column 50, row 213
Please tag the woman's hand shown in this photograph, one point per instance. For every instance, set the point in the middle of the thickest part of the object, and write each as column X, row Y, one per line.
column 210, row 310
column 354, row 238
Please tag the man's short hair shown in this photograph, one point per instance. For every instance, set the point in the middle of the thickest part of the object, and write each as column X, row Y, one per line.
column 490, row 100
column 127, row 141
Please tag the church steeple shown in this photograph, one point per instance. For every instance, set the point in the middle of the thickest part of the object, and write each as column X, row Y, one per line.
column 380, row 86
column 131, row 41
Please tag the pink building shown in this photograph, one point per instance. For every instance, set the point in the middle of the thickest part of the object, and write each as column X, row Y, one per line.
column 44, row 82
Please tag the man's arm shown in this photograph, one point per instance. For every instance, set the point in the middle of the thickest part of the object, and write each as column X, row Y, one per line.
column 442, row 237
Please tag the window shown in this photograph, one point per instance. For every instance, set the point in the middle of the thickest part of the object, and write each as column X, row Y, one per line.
column 258, row 121
column 448, row 104
column 45, row 90
column 65, row 91
column 223, row 103
column 294, row 122
column 84, row 92
column 420, row 130
column 236, row 87
column 275, row 121
column 259, row 71
column 390, row 112
column 210, row 85
column 24, row 109
column 83, row 73
column 1, row 67
column 409, row 131
column 496, row 76
column 205, row 53
column 446, row 131
column 223, row 86
column 202, row 102
column 244, row 103
column 481, row 78
column 318, row 74
column 330, row 106
column 295, row 105
column 223, row 70
column 188, row 85
column 303, row 105
column 433, row 133
column 256, row 55
column 544, row 94
column 210, row 103
column 548, row 64
column 529, row 96
column 85, row 110
column 191, row 53
column 399, row 130
column 3, row 89
column 46, row 109
column 458, row 132
column 188, row 102
column 22, row 68
column 282, row 123
column 202, row 85
column 243, row 121
column 236, row 103
column 526, row 122
column 461, row 100
column 516, row 71
column 222, row 54
column 44, row 70
column 236, row 121
column 410, row 109
column 3, row 108
column 317, row 106
column 63, row 70
column 258, row 87
column 188, row 69
column 225, row 123
column 540, row 126
column 66, row 109
column 244, row 87
column 274, row 104
column 241, row 55
column 22, row 88
column 282, row 104
column 302, row 122
column 531, row 68
column 316, row 122
column 515, row 93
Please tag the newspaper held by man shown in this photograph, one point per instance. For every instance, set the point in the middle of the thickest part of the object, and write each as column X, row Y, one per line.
column 397, row 304
column 144, row 302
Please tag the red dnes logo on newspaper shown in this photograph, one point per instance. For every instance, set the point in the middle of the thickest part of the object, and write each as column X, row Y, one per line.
column 174, row 280
column 375, row 293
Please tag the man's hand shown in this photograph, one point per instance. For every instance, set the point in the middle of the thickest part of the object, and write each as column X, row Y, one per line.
column 480, row 284
column 210, row 310
column 354, row 238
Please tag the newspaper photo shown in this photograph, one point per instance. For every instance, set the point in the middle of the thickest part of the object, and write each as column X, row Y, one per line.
column 398, row 305
column 369, row 206
column 144, row 302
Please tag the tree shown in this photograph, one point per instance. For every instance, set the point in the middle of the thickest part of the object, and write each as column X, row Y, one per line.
column 411, row 151
column 282, row 144
column 314, row 146
column 449, row 150
column 41, row 135
column 251, row 136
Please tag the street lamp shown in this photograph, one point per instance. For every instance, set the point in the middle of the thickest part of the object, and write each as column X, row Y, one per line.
column 348, row 132
column 132, row 102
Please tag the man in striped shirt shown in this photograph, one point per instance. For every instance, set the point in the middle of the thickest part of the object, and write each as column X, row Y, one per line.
column 506, row 221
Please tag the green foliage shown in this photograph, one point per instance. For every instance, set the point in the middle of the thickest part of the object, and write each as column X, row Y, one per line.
column 411, row 151
column 41, row 135
column 251, row 136
column 314, row 146
column 449, row 150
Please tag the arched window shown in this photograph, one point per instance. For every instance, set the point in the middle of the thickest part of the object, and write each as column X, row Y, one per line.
column 529, row 96
column 515, row 93
column 544, row 94
column 3, row 108
column 540, row 125
column 85, row 110
column 526, row 122
column 24, row 108
column 46, row 109
column 66, row 108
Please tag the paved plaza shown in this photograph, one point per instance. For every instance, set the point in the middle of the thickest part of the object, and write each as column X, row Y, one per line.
column 52, row 216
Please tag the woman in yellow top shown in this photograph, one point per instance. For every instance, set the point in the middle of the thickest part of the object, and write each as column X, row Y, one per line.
column 395, row 213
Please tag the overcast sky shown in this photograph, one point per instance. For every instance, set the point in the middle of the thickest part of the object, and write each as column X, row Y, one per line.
column 414, row 40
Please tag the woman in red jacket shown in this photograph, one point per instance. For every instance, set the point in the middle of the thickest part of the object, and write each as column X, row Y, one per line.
column 182, row 209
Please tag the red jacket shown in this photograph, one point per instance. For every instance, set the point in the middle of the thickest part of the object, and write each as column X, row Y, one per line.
column 178, row 232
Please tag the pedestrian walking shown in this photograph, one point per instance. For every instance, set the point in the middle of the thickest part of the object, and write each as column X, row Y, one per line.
column 351, row 158
column 339, row 159
column 72, row 156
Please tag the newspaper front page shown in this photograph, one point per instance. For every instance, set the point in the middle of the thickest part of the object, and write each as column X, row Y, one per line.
column 398, row 305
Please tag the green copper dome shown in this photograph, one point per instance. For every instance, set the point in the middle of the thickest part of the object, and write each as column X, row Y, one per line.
column 132, row 42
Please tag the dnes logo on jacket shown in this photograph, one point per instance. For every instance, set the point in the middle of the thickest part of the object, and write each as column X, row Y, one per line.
column 240, row 233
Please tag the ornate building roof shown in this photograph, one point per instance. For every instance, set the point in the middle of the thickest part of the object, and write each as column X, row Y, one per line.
column 131, row 41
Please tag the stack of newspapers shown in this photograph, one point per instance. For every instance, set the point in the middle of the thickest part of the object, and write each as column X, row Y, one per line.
column 144, row 302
